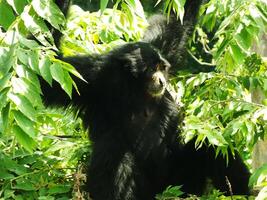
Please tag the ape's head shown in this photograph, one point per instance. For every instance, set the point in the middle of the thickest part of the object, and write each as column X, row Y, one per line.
column 147, row 66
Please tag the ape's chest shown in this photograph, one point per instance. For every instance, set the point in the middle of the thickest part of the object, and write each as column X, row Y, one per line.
column 145, row 122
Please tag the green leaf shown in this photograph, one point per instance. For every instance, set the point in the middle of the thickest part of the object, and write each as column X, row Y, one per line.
column 4, row 81
column 47, row 198
column 17, row 5
column 36, row 26
column 26, row 88
column 252, row 30
column 4, row 118
column 25, row 124
column 24, row 139
column 44, row 67
column 244, row 39
column 170, row 193
column 27, row 186
column 3, row 98
column 215, row 138
column 255, row 176
column 210, row 21
column 6, row 59
column 49, row 11
column 6, row 15
column 103, row 5
column 22, row 55
column 262, row 10
column 255, row 15
column 262, row 194
column 24, row 105
column 69, row 68
column 34, row 60
column 4, row 174
column 139, row 9
column 29, row 58
column 59, row 189
column 62, row 77
column 237, row 53
column 24, row 72
column 30, row 44
column 12, row 165
column 222, row 48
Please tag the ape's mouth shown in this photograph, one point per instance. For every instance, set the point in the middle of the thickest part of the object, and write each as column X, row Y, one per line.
column 157, row 85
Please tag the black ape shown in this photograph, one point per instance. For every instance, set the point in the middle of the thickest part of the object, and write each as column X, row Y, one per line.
column 134, row 121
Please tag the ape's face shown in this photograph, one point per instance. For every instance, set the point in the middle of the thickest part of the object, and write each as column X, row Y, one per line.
column 157, row 79
column 148, row 67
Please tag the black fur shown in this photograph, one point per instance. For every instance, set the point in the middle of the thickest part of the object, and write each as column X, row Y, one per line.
column 136, row 149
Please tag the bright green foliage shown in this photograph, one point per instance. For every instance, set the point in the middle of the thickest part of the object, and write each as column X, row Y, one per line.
column 99, row 32
column 219, row 104
column 48, row 172
column 6, row 15
column 226, row 108
column 21, row 60
column 173, row 192
column 36, row 163
column 177, row 6
column 259, row 179
column 170, row 193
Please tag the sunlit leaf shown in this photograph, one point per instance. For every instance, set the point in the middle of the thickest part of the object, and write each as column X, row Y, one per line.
column 25, row 124
column 24, row 105
column 44, row 67
column 27, row 186
column 237, row 54
column 103, row 5
column 6, row 59
column 4, row 118
column 62, row 77
column 17, row 5
column 48, row 10
column 6, row 15
column 24, row 139
column 27, row 89
column 59, row 189
column 4, row 82
column 36, row 26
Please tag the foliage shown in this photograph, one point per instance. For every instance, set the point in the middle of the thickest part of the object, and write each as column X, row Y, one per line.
column 170, row 193
column 174, row 193
column 259, row 179
column 220, row 109
column 22, row 60
column 220, row 105
column 226, row 108
column 40, row 150
column 52, row 169
column 99, row 32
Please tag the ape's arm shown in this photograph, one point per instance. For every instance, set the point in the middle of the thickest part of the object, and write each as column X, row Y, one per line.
column 171, row 38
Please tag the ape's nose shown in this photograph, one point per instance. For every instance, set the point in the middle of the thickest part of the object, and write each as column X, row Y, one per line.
column 161, row 82
column 159, row 79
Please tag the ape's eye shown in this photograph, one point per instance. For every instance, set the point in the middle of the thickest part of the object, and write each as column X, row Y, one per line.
column 160, row 66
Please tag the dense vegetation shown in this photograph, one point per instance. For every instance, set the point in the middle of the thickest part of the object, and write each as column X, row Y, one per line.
column 43, row 151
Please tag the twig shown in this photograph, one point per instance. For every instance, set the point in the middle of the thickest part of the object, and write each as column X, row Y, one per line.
column 229, row 187
column 200, row 62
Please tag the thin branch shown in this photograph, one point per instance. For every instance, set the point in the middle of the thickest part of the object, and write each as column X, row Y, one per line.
column 200, row 62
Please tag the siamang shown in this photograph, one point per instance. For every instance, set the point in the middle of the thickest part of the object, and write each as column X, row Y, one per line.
column 134, row 121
